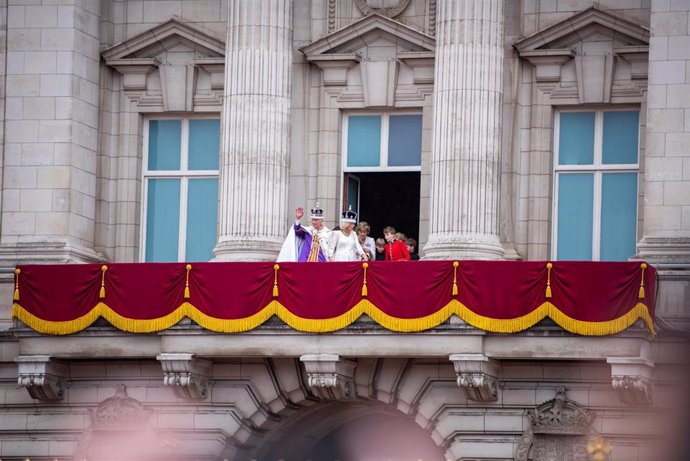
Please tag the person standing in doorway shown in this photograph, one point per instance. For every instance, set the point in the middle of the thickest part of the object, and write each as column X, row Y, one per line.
column 380, row 249
column 396, row 250
column 412, row 249
column 365, row 241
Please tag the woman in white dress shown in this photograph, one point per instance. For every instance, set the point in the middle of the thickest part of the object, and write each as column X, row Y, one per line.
column 344, row 244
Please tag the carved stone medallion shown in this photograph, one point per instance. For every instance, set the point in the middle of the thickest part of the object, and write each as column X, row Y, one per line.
column 390, row 9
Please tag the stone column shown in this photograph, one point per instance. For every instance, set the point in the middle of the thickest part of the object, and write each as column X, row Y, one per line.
column 254, row 170
column 666, row 234
column 466, row 131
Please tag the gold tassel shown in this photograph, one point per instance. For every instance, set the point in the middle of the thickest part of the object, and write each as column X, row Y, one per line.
column 548, row 280
column 276, row 267
column 101, row 294
column 365, row 292
column 188, row 267
column 17, row 271
column 641, row 294
column 455, row 278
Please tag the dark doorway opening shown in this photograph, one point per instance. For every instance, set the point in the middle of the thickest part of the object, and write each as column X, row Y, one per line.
column 385, row 199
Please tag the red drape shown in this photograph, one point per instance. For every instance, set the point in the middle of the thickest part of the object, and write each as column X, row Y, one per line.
column 592, row 298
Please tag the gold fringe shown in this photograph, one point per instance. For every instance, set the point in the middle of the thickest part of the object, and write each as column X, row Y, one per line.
column 101, row 293
column 547, row 295
column 455, row 278
column 187, row 293
column 186, row 309
column 276, row 267
column 641, row 294
column 365, row 292
column 15, row 296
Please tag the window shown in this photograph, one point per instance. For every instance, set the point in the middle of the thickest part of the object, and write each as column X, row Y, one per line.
column 595, row 186
column 180, row 189
column 382, row 158
column 382, row 142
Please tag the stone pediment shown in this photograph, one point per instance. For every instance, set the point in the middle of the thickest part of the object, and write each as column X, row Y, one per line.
column 591, row 57
column 367, row 31
column 160, row 67
column 169, row 36
column 377, row 43
column 592, row 24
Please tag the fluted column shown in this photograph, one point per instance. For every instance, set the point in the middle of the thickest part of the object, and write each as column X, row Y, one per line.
column 256, row 130
column 468, row 89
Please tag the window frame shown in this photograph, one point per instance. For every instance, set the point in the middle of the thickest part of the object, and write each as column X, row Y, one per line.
column 385, row 132
column 597, row 168
column 184, row 174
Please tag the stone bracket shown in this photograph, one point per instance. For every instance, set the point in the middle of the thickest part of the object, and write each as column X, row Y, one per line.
column 422, row 65
column 134, row 71
column 548, row 63
column 329, row 376
column 42, row 376
column 335, row 67
column 477, row 376
column 632, row 378
column 216, row 69
column 638, row 58
column 188, row 376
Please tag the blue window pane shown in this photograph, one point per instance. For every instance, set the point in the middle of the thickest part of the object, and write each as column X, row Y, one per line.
column 364, row 140
column 575, row 198
column 576, row 143
column 164, row 144
column 405, row 140
column 620, row 137
column 204, row 144
column 618, row 216
column 162, row 219
column 202, row 219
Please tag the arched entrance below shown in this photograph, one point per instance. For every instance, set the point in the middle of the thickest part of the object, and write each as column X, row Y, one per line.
column 349, row 431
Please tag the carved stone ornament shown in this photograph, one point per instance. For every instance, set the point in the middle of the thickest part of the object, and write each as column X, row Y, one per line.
column 389, row 11
column 330, row 377
column 558, row 431
column 119, row 412
column 43, row 377
column 560, row 416
column 187, row 375
column 477, row 376
column 121, row 430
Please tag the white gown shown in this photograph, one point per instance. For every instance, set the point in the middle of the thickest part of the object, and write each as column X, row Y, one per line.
column 345, row 247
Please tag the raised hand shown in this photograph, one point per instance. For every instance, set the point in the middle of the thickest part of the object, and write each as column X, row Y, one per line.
column 299, row 212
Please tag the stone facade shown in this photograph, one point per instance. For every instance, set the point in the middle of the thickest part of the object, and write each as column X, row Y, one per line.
column 81, row 79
